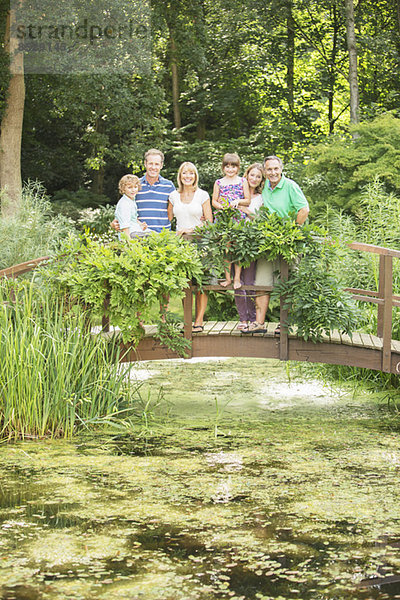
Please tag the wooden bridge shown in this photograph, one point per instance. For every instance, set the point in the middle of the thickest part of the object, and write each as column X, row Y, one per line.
column 378, row 352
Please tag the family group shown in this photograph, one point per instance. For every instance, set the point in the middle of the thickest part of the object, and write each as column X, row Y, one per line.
column 148, row 204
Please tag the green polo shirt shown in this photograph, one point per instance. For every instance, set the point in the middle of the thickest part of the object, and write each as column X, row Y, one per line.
column 286, row 197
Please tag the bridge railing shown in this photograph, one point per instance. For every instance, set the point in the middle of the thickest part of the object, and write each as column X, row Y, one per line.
column 383, row 297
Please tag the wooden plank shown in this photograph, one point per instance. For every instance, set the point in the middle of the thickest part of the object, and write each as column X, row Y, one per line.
column 346, row 339
column 227, row 328
column 150, row 330
column 24, row 267
column 234, row 346
column 374, row 249
column 232, row 326
column 326, row 336
column 335, row 337
column 381, row 293
column 377, row 341
column 357, row 339
column 271, row 329
column 396, row 346
column 208, row 325
column 216, row 287
column 361, row 292
column 218, row 327
column 369, row 299
column 336, row 354
column 368, row 342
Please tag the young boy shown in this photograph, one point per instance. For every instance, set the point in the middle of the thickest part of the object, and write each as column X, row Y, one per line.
column 126, row 210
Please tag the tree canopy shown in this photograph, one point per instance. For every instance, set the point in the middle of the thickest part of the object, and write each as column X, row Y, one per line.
column 247, row 76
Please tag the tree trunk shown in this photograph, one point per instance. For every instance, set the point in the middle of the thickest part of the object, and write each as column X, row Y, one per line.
column 175, row 83
column 332, row 72
column 290, row 28
column 11, row 132
column 352, row 49
column 201, row 129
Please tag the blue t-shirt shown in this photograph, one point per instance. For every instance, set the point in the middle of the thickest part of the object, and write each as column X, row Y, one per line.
column 152, row 203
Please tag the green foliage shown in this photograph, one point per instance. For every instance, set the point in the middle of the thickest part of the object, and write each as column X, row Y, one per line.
column 55, row 378
column 244, row 240
column 34, row 231
column 70, row 204
column 377, row 223
column 97, row 220
column 282, row 236
column 317, row 303
column 340, row 169
column 133, row 275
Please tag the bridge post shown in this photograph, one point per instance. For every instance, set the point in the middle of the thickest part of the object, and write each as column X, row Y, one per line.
column 284, row 340
column 381, row 294
column 385, row 310
column 105, row 320
column 187, row 316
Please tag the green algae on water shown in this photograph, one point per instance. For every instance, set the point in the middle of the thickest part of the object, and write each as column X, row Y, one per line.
column 296, row 496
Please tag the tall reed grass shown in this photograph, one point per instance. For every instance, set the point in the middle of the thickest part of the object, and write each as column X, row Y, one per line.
column 55, row 377
column 34, row 231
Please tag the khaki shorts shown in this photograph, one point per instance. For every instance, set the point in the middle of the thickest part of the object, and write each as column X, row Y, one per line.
column 265, row 272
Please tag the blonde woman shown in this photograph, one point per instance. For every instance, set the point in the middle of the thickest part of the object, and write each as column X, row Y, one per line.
column 191, row 206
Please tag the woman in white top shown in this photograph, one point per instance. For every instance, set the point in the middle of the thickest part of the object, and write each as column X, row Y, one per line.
column 191, row 206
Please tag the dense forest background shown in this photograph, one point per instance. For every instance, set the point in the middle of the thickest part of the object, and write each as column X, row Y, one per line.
column 248, row 76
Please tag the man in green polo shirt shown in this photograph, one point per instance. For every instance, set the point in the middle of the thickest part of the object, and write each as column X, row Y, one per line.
column 282, row 196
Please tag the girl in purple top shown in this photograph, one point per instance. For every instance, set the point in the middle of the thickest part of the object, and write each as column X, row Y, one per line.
column 233, row 191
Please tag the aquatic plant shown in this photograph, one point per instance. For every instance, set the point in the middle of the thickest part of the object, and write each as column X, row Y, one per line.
column 55, row 377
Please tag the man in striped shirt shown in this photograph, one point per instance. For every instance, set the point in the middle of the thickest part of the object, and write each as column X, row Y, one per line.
column 152, row 199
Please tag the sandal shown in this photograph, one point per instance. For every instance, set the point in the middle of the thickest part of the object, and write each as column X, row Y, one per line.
column 197, row 328
column 255, row 328
column 242, row 325
column 277, row 331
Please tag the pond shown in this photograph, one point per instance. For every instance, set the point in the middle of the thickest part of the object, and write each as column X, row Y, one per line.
column 255, row 486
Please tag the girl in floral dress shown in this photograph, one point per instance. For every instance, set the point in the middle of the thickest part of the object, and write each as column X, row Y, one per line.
column 231, row 191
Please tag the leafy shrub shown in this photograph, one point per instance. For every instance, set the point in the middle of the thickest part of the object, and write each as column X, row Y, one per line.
column 133, row 275
column 340, row 169
column 316, row 301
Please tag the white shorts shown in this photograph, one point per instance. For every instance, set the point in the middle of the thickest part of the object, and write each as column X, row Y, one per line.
column 265, row 272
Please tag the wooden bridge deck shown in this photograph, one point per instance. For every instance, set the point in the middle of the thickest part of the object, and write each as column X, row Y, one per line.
column 221, row 338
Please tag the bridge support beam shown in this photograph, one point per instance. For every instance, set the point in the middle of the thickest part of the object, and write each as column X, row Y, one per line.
column 187, row 317
column 284, row 313
column 385, row 310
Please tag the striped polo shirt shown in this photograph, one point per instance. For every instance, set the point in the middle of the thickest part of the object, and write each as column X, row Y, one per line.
column 152, row 203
